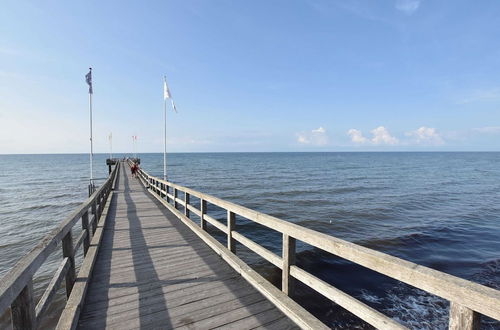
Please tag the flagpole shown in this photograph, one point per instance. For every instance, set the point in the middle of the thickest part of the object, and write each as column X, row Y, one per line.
column 91, row 143
column 165, row 135
column 110, row 145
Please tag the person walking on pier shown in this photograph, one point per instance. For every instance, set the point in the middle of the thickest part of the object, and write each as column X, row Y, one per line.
column 134, row 169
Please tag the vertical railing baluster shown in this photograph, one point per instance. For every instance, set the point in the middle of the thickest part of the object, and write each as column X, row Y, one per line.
column 203, row 211
column 67, row 247
column 176, row 205
column 463, row 318
column 23, row 309
column 167, row 191
column 85, row 227
column 288, row 260
column 186, row 203
column 94, row 217
column 231, row 223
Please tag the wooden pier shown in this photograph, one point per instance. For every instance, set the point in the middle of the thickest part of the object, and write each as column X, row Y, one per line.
column 149, row 265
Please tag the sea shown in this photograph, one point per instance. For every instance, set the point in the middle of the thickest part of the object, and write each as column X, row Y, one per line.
column 437, row 209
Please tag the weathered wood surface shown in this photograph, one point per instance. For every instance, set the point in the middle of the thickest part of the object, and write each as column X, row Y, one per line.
column 479, row 298
column 153, row 272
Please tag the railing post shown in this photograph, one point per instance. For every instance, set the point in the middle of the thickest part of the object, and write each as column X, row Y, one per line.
column 23, row 309
column 67, row 247
column 186, row 203
column 463, row 318
column 85, row 227
column 176, row 205
column 231, row 223
column 288, row 260
column 167, row 191
column 95, row 218
column 203, row 211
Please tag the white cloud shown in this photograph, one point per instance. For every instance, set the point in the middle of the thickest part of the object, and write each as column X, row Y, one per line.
column 407, row 6
column 356, row 136
column 382, row 136
column 488, row 129
column 426, row 135
column 319, row 130
column 481, row 95
column 316, row 137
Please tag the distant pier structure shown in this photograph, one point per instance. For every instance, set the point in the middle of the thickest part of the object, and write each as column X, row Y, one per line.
column 149, row 262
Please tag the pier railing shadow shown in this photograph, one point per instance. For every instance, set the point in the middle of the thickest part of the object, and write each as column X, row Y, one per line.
column 468, row 300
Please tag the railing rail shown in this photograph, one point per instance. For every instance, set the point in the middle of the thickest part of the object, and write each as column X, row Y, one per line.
column 16, row 287
column 468, row 300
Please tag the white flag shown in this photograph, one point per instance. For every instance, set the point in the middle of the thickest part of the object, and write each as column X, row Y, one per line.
column 167, row 94
column 166, row 91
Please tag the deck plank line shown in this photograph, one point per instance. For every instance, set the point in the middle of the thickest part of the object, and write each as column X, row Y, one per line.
column 152, row 271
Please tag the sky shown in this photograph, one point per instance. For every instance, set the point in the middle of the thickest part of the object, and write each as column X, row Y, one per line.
column 250, row 76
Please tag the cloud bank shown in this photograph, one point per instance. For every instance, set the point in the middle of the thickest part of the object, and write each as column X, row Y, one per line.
column 380, row 136
column 316, row 137
column 426, row 135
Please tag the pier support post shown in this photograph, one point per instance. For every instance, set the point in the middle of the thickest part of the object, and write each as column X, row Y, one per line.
column 23, row 309
column 186, row 203
column 67, row 246
column 203, row 211
column 288, row 260
column 231, row 224
column 85, row 227
column 176, row 195
column 463, row 318
column 95, row 217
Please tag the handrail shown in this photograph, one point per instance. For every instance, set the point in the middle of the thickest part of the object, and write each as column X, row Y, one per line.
column 16, row 287
column 468, row 299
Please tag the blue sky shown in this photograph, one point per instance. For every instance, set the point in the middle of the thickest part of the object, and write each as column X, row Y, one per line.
column 251, row 75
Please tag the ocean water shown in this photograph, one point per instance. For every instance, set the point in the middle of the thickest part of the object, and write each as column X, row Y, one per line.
column 440, row 210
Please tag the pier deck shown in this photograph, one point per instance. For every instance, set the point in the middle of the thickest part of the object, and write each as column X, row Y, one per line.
column 152, row 271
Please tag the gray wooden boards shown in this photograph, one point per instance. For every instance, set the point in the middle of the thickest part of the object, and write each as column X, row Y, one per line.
column 153, row 272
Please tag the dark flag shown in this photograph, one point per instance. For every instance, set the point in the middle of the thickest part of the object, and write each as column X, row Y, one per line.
column 88, row 78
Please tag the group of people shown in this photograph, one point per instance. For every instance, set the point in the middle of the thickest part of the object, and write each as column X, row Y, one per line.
column 134, row 169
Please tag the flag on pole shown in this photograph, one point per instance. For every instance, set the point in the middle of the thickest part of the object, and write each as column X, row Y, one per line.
column 168, row 95
column 88, row 78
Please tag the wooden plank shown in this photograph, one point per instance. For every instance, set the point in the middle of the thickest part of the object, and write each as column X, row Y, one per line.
column 23, row 309
column 231, row 225
column 175, row 198
column 178, row 295
column 194, row 210
column 22, row 272
column 288, row 260
column 178, row 306
column 71, row 312
column 203, row 212
column 463, row 318
column 186, row 203
column 54, row 285
column 466, row 293
column 68, row 252
column 289, row 307
column 146, row 274
column 260, row 250
column 81, row 238
column 254, row 320
column 216, row 223
column 361, row 310
column 281, row 324
column 85, row 228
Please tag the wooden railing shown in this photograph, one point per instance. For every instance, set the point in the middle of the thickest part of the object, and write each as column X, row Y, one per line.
column 16, row 287
column 467, row 299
